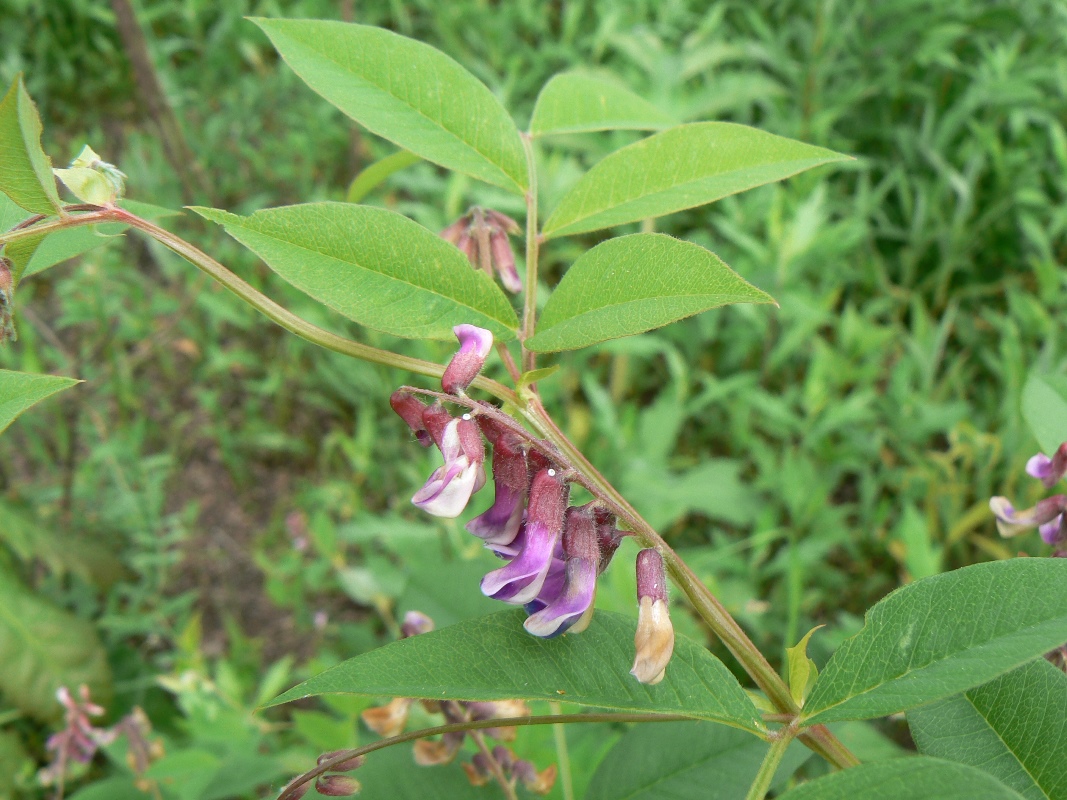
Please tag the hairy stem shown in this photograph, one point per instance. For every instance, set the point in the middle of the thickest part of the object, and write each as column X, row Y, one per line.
column 472, row 725
column 779, row 744
column 529, row 309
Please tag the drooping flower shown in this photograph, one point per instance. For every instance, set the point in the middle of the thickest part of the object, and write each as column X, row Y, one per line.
column 474, row 346
column 1048, row 470
column 571, row 608
column 410, row 409
column 654, row 640
column 451, row 485
column 521, row 580
column 1046, row 516
column 500, row 524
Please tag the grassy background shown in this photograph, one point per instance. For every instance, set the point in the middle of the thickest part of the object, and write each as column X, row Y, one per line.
column 253, row 490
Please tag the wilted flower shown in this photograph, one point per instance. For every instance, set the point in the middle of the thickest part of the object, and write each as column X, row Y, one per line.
column 654, row 640
column 479, row 770
column 388, row 720
column 474, row 345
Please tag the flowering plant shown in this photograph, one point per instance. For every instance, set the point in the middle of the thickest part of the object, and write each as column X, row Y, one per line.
column 974, row 636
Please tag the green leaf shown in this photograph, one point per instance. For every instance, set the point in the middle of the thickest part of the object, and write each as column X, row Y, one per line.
column 913, row 778
column 943, row 635
column 20, row 390
column 43, row 647
column 684, row 761
column 683, row 167
column 14, row 760
column 369, row 179
column 802, row 670
column 25, row 171
column 407, row 92
column 1014, row 728
column 578, row 102
column 493, row 658
column 374, row 266
column 535, row 375
column 632, row 284
column 87, row 185
column 1045, row 410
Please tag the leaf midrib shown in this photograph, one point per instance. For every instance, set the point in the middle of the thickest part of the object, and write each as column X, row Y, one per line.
column 417, row 111
column 1018, row 760
column 672, row 775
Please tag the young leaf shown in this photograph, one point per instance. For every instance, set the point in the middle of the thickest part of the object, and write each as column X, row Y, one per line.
column 25, row 171
column 1045, row 410
column 493, row 658
column 912, row 778
column 802, row 670
column 1014, row 728
column 369, row 179
column 43, row 647
column 943, row 635
column 20, row 390
column 407, row 92
column 683, row 167
column 684, row 761
column 374, row 266
column 632, row 284
column 577, row 102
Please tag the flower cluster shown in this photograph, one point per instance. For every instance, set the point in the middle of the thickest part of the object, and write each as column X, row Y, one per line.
column 482, row 236
column 1048, row 514
column 390, row 720
column 554, row 552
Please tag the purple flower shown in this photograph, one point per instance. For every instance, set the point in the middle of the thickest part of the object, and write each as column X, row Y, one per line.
column 1047, row 516
column 1048, row 470
column 474, row 345
column 521, row 580
column 572, row 607
column 451, row 485
column 654, row 640
column 500, row 524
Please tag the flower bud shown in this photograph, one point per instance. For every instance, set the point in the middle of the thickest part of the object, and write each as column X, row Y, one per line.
column 474, row 345
column 337, row 786
column 654, row 640
column 415, row 622
column 454, row 231
column 410, row 409
column 504, row 261
column 299, row 791
column 608, row 536
column 7, row 302
column 345, row 766
column 503, row 222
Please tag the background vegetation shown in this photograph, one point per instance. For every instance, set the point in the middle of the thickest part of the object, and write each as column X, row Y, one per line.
column 228, row 506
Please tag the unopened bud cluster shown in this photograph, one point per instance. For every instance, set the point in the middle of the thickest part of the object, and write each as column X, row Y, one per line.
column 1048, row 514
column 553, row 551
column 482, row 236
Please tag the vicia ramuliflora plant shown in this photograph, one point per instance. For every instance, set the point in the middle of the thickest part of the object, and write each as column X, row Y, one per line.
column 944, row 640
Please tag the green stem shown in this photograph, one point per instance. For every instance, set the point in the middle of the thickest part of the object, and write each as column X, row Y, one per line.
column 762, row 782
column 42, row 228
column 559, row 733
column 470, row 725
column 533, row 244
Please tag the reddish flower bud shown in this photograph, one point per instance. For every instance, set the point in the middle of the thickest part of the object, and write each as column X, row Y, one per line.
column 474, row 345
column 454, row 231
column 410, row 409
column 337, row 786
column 298, row 792
column 503, row 222
column 608, row 536
column 345, row 766
column 504, row 262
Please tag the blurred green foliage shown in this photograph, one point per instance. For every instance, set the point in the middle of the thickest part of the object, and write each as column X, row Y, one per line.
column 252, row 490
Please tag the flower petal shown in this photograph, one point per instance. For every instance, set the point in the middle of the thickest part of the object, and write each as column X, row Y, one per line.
column 572, row 603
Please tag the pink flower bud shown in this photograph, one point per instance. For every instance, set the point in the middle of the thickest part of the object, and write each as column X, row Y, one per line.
column 410, row 409
column 654, row 640
column 503, row 222
column 504, row 261
column 345, row 766
column 454, row 231
column 337, row 786
column 474, row 345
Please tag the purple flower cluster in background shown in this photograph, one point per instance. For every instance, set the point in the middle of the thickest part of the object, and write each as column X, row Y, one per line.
column 553, row 551
column 1047, row 515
